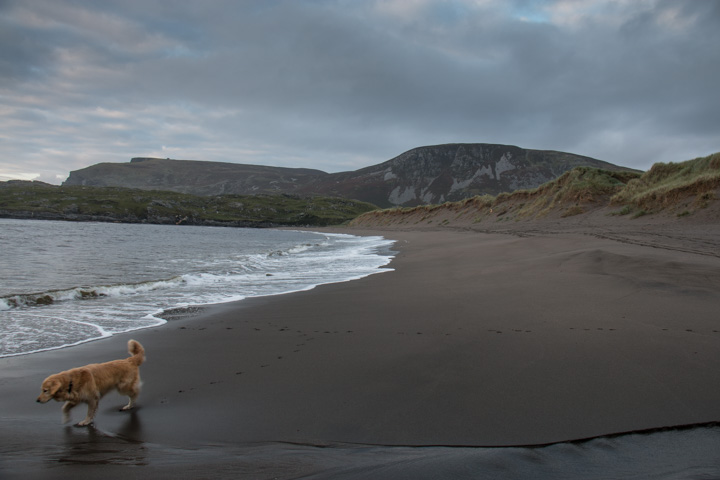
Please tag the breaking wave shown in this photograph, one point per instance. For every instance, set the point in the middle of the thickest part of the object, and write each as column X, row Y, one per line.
column 128, row 287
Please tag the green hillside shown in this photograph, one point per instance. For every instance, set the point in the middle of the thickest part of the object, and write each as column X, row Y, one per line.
column 39, row 200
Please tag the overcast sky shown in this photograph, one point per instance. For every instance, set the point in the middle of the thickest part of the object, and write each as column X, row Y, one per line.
column 343, row 84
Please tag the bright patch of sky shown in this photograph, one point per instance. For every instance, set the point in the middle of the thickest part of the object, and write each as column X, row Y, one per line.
column 530, row 11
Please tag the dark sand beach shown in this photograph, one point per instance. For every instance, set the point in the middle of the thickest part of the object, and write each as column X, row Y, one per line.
column 476, row 339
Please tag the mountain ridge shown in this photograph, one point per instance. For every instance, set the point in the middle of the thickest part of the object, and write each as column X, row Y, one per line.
column 422, row 175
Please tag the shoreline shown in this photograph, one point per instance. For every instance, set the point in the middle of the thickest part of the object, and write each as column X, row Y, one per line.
column 113, row 308
column 473, row 339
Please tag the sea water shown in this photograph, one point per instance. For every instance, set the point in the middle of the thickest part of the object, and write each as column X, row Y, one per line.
column 65, row 283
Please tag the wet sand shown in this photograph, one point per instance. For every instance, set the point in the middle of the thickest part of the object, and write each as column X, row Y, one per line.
column 475, row 339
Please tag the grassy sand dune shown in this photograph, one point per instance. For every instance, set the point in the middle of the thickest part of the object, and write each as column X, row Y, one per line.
column 666, row 185
column 675, row 190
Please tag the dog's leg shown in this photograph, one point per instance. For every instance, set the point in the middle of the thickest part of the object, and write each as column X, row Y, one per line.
column 66, row 410
column 129, row 406
column 132, row 395
column 132, row 392
column 92, row 408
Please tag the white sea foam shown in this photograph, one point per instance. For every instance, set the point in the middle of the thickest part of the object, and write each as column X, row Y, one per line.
column 125, row 287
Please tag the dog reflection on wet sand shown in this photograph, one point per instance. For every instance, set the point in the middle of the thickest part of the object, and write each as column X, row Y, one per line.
column 90, row 383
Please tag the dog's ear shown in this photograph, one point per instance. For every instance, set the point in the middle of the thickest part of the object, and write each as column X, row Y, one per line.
column 55, row 386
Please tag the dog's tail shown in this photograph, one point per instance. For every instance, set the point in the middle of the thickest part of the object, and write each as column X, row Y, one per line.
column 137, row 351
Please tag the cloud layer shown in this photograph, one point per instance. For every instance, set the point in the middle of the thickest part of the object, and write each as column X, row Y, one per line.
column 339, row 85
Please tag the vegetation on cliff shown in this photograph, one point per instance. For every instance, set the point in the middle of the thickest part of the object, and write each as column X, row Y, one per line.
column 677, row 189
column 43, row 201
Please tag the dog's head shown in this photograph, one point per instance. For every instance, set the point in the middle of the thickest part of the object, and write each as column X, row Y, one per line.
column 64, row 386
column 55, row 387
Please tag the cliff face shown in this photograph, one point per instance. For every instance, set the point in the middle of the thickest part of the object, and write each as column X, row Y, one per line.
column 432, row 174
column 436, row 174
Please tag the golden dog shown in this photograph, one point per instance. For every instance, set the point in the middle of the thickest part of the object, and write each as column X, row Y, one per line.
column 90, row 383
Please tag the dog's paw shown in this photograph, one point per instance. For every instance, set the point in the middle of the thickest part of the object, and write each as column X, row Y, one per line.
column 84, row 423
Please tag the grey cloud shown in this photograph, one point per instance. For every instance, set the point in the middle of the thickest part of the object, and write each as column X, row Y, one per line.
column 339, row 85
column 22, row 54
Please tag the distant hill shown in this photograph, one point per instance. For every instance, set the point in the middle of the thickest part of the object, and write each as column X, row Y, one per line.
column 424, row 175
column 440, row 173
column 194, row 177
